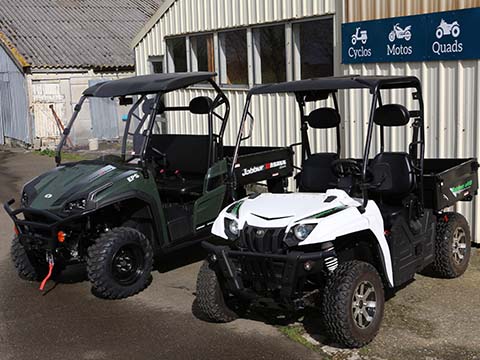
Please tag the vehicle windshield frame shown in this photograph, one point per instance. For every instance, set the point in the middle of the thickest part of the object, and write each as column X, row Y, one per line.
column 148, row 120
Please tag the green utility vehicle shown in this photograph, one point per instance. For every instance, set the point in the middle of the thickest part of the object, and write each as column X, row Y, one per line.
column 119, row 213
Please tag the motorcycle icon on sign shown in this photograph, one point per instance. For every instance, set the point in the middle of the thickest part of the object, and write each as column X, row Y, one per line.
column 360, row 35
column 447, row 29
column 399, row 33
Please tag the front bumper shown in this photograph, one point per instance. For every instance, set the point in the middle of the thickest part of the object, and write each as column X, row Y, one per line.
column 36, row 234
column 258, row 276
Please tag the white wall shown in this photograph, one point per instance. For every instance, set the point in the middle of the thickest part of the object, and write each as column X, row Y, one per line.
column 63, row 90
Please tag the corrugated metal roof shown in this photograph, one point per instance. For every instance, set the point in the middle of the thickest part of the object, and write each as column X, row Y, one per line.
column 74, row 33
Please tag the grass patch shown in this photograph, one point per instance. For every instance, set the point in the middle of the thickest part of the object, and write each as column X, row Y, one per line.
column 295, row 333
column 65, row 155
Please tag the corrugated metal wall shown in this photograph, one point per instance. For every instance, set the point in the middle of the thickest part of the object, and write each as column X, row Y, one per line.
column 451, row 93
column 187, row 16
column 361, row 10
column 451, row 88
column 14, row 116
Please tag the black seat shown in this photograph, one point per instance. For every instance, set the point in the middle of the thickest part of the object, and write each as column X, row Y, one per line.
column 186, row 161
column 395, row 181
column 393, row 172
column 317, row 174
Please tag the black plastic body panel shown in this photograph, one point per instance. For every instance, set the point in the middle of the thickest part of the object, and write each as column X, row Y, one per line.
column 264, row 165
column 447, row 181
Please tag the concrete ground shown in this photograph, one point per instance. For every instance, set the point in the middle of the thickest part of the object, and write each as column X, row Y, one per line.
column 429, row 319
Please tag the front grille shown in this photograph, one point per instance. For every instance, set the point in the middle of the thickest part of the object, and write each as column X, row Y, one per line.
column 262, row 275
column 262, row 240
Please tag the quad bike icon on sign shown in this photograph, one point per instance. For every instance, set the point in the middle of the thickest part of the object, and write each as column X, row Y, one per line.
column 447, row 29
column 360, row 35
column 399, row 33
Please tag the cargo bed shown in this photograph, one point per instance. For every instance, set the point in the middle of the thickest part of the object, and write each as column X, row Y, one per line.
column 447, row 181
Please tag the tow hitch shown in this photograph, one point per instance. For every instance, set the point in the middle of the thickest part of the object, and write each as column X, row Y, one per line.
column 51, row 264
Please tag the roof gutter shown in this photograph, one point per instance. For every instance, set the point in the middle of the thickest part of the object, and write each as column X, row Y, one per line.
column 151, row 23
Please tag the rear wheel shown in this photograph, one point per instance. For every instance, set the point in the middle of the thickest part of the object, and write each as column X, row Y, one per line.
column 452, row 246
column 30, row 266
column 353, row 303
column 119, row 263
column 210, row 302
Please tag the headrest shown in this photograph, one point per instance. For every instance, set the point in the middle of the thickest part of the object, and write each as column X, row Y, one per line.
column 391, row 115
column 323, row 118
column 200, row 105
column 147, row 105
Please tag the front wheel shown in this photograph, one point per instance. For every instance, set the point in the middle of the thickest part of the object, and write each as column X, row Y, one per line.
column 210, row 301
column 452, row 246
column 353, row 303
column 439, row 33
column 30, row 266
column 119, row 263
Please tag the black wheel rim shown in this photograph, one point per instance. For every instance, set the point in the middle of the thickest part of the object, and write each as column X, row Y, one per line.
column 128, row 264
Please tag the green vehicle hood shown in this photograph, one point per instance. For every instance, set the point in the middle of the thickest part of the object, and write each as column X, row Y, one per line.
column 57, row 187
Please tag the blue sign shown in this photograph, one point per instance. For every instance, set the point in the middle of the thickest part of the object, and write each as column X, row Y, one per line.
column 449, row 35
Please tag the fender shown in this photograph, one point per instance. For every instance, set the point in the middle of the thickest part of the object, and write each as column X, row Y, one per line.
column 351, row 221
column 160, row 226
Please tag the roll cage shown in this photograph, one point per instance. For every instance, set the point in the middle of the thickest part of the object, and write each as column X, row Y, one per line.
column 321, row 88
column 150, row 90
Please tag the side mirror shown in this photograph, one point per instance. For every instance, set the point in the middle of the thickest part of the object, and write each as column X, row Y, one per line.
column 123, row 101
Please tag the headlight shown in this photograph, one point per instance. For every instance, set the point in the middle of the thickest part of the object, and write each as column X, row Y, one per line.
column 303, row 230
column 231, row 229
column 24, row 200
column 76, row 205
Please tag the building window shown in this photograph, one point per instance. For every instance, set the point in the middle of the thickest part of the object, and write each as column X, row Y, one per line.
column 269, row 54
column 156, row 64
column 233, row 57
column 202, row 53
column 177, row 53
column 314, row 40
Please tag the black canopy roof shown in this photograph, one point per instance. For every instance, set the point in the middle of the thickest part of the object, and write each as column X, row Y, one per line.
column 147, row 84
column 334, row 83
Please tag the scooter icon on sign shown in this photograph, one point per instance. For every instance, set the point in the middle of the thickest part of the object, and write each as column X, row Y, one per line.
column 399, row 33
column 447, row 29
column 360, row 35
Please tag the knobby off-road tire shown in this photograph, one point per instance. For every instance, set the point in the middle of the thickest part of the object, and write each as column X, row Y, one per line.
column 29, row 266
column 452, row 246
column 210, row 300
column 341, row 304
column 119, row 263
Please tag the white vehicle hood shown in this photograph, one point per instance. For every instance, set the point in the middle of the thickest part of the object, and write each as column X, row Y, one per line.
column 283, row 210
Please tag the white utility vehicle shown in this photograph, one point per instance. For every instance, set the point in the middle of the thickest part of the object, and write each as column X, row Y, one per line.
column 355, row 226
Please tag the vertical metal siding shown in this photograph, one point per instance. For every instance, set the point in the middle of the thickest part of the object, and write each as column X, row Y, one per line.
column 13, row 101
column 361, row 10
column 450, row 89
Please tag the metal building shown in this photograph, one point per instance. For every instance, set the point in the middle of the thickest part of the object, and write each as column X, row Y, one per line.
column 59, row 49
column 188, row 35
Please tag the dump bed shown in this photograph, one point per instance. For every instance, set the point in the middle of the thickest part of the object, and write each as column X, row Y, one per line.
column 256, row 164
column 447, row 181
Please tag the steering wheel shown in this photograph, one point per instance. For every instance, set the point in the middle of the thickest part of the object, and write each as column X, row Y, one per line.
column 163, row 156
column 346, row 167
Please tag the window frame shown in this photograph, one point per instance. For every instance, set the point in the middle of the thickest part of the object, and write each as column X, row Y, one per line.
column 155, row 59
column 292, row 51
